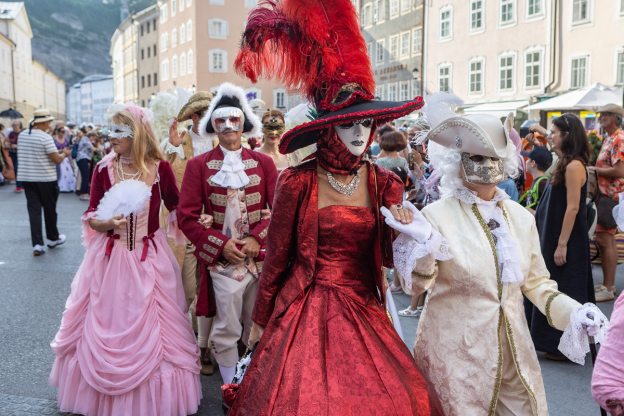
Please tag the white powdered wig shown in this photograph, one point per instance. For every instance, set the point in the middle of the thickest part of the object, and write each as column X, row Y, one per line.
column 228, row 89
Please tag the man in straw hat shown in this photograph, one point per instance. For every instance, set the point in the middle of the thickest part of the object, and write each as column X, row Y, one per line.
column 178, row 151
column 478, row 255
column 37, row 156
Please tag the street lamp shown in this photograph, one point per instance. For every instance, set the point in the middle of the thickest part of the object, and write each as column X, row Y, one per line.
column 415, row 73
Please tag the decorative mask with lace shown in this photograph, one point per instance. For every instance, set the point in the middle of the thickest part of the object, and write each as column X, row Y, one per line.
column 119, row 131
column 482, row 169
column 227, row 118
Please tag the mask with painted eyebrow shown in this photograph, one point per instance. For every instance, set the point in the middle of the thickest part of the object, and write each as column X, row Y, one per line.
column 118, row 131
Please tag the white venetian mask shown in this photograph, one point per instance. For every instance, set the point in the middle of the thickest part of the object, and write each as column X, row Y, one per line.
column 355, row 134
column 483, row 169
column 225, row 118
column 119, row 131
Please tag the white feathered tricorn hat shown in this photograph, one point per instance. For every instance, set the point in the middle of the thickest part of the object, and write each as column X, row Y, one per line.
column 232, row 96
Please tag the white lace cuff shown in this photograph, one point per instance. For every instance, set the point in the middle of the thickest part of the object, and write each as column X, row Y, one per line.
column 170, row 149
column 87, row 231
column 408, row 251
column 574, row 342
column 173, row 231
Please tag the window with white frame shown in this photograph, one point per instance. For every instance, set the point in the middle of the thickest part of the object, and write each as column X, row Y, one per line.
column 182, row 63
column 445, row 23
column 173, row 8
column 580, row 11
column 164, row 68
column 218, row 60
column 188, row 3
column 507, row 12
column 174, row 66
column 163, row 14
column 381, row 10
column 406, row 5
column 416, row 40
column 578, row 71
column 164, row 42
column 218, row 28
column 619, row 68
column 405, row 44
column 476, row 77
column 534, row 8
column 251, row 3
column 392, row 92
column 444, row 78
column 367, row 11
column 404, row 88
column 189, row 61
column 189, row 30
column 181, row 5
column 375, row 11
column 217, row 2
column 174, row 38
column 379, row 51
column 182, row 32
column 415, row 88
column 476, row 15
column 394, row 47
column 379, row 92
column 394, row 7
column 621, row 7
column 532, row 65
column 506, row 73
column 280, row 98
column 369, row 51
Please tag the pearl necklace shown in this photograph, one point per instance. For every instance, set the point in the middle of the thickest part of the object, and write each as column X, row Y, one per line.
column 347, row 190
column 125, row 176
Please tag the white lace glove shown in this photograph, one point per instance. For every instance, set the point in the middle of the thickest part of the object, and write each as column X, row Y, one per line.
column 584, row 320
column 419, row 229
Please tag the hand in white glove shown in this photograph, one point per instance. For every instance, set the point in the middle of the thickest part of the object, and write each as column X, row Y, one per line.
column 419, row 229
column 591, row 318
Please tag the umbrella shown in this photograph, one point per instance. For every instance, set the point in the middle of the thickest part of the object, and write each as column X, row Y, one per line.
column 589, row 98
column 11, row 113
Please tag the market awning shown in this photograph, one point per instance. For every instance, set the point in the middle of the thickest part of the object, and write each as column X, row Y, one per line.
column 589, row 98
column 497, row 108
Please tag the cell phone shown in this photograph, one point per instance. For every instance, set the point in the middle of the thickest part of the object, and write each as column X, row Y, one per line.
column 411, row 161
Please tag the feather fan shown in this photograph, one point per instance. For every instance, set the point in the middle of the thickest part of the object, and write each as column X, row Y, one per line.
column 125, row 198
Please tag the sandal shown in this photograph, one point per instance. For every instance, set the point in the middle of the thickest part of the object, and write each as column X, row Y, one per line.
column 395, row 289
column 409, row 312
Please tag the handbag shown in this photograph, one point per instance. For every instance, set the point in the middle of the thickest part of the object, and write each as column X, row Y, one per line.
column 604, row 207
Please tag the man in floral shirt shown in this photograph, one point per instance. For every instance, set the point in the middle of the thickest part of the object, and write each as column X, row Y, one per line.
column 610, row 170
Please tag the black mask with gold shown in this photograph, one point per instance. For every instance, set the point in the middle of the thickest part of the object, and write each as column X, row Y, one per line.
column 273, row 124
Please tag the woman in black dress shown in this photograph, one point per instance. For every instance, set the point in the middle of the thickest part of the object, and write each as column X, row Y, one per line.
column 561, row 218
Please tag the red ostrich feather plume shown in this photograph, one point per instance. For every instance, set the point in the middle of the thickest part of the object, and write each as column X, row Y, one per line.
column 311, row 46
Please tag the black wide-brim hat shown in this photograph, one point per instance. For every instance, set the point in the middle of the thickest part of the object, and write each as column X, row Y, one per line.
column 380, row 111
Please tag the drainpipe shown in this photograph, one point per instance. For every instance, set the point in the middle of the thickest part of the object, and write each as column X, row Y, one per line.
column 13, row 72
column 554, row 47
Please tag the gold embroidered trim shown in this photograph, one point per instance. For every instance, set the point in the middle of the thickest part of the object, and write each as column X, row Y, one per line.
column 211, row 249
column 219, row 200
column 219, row 217
column 250, row 163
column 423, row 276
column 264, row 232
column 215, row 240
column 488, row 233
column 215, row 164
column 206, row 257
column 499, row 370
column 515, row 357
column 254, row 180
column 253, row 199
column 548, row 303
column 254, row 216
column 209, row 180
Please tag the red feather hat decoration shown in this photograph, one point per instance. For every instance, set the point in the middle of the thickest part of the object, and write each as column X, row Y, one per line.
column 315, row 47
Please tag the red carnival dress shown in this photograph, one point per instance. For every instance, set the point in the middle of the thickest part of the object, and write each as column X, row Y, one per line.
column 334, row 351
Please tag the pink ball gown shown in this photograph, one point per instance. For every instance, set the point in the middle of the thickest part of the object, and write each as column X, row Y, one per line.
column 125, row 345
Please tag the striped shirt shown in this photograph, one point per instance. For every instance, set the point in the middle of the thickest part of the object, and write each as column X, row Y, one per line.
column 33, row 162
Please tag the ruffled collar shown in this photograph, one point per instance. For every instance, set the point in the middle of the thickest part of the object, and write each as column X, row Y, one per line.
column 470, row 197
column 232, row 174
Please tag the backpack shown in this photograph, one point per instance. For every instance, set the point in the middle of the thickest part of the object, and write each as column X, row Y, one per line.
column 74, row 153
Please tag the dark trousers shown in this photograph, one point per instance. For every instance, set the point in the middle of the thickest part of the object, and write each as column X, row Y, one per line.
column 83, row 165
column 14, row 159
column 42, row 195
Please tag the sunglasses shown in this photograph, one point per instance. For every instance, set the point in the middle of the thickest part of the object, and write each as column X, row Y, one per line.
column 606, row 114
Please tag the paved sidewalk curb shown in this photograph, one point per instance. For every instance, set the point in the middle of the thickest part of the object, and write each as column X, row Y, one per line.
column 28, row 406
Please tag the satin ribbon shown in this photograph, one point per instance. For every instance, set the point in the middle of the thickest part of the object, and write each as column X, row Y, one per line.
column 111, row 242
column 146, row 241
column 615, row 407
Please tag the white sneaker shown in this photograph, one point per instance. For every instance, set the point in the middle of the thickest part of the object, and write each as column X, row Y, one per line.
column 597, row 288
column 603, row 294
column 38, row 250
column 58, row 242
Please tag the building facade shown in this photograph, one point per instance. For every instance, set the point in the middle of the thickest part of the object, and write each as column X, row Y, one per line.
column 148, row 62
column 124, row 63
column 393, row 32
column 26, row 85
column 198, row 42
column 500, row 56
column 89, row 99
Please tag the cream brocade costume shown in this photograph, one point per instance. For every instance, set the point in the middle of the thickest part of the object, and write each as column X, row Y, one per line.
column 473, row 330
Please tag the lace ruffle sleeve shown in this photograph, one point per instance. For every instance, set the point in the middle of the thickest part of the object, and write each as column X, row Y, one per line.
column 173, row 231
column 409, row 253
column 574, row 342
column 170, row 149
